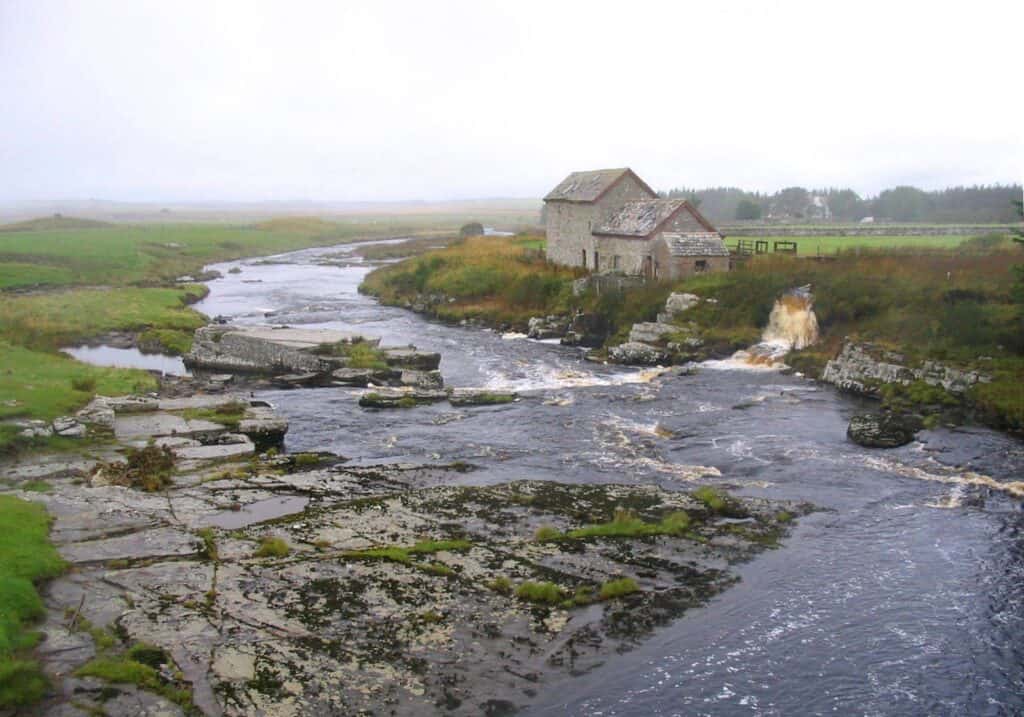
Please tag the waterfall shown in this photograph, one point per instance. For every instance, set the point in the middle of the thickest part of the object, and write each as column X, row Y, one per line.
column 791, row 325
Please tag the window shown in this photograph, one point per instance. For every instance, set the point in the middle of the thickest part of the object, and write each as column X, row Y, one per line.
column 584, row 258
column 615, row 262
column 700, row 265
column 597, row 261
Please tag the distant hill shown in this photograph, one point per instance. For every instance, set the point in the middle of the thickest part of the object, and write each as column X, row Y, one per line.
column 56, row 222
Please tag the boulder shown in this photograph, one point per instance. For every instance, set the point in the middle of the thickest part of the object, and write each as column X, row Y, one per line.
column 678, row 303
column 480, row 397
column 399, row 398
column 547, row 327
column 650, row 332
column 636, row 353
column 881, row 430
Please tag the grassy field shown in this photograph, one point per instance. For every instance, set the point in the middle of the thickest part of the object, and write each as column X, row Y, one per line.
column 829, row 244
column 26, row 556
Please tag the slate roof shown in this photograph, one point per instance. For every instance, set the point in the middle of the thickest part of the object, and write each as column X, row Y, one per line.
column 589, row 186
column 640, row 217
column 695, row 244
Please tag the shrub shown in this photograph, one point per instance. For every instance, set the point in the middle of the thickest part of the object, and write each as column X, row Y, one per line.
column 272, row 547
column 618, row 588
column 545, row 593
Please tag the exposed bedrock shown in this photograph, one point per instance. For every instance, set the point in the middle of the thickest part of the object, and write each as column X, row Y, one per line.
column 864, row 368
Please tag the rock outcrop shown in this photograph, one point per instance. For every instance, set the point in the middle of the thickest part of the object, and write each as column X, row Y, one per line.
column 547, row 327
column 881, row 430
column 636, row 353
column 480, row 397
column 676, row 304
column 864, row 368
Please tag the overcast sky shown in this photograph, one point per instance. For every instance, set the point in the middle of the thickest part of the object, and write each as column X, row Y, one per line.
column 175, row 100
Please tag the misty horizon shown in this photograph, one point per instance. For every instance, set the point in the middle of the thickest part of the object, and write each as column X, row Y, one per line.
column 129, row 102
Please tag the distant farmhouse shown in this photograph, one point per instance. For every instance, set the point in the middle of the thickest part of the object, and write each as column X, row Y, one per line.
column 609, row 220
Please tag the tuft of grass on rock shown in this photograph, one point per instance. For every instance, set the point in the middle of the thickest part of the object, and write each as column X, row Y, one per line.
column 229, row 414
column 718, row 502
column 618, row 588
column 501, row 585
column 272, row 547
column 540, row 592
column 547, row 534
column 626, row 524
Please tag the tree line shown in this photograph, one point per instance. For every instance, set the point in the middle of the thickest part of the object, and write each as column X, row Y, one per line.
column 967, row 205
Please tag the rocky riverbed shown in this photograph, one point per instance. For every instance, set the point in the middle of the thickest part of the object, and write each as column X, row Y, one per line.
column 390, row 589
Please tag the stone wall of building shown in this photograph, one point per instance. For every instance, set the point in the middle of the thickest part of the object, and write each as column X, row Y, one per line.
column 671, row 267
column 569, row 224
column 621, row 254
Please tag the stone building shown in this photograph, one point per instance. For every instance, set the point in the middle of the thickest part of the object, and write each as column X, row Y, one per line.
column 610, row 220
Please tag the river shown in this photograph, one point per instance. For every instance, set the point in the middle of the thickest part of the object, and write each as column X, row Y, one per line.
column 903, row 596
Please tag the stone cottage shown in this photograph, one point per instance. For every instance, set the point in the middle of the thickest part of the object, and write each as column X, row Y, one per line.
column 610, row 220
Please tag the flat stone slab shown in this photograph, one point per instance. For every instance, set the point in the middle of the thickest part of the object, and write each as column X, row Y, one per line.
column 299, row 338
column 146, row 544
column 163, row 424
column 227, row 452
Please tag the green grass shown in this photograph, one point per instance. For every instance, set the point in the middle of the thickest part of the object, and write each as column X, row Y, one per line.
column 408, row 555
column 228, row 414
column 54, row 320
column 271, row 547
column 176, row 342
column 125, row 670
column 618, row 588
column 26, row 557
column 358, row 354
column 831, row 244
column 40, row 383
column 626, row 524
column 540, row 592
column 17, row 274
column 547, row 534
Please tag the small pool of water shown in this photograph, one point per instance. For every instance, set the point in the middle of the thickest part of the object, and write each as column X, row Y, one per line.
column 257, row 512
column 129, row 358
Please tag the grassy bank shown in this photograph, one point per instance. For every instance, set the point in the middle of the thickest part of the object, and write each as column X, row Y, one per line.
column 26, row 557
column 495, row 279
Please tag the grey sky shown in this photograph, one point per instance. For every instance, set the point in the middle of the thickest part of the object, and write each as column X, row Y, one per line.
column 438, row 100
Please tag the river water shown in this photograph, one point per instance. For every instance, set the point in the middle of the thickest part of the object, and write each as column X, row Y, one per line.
column 903, row 596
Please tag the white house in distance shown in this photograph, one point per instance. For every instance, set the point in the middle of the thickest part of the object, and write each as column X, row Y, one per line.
column 610, row 220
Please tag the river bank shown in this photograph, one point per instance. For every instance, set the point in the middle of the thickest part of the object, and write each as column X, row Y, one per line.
column 959, row 310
